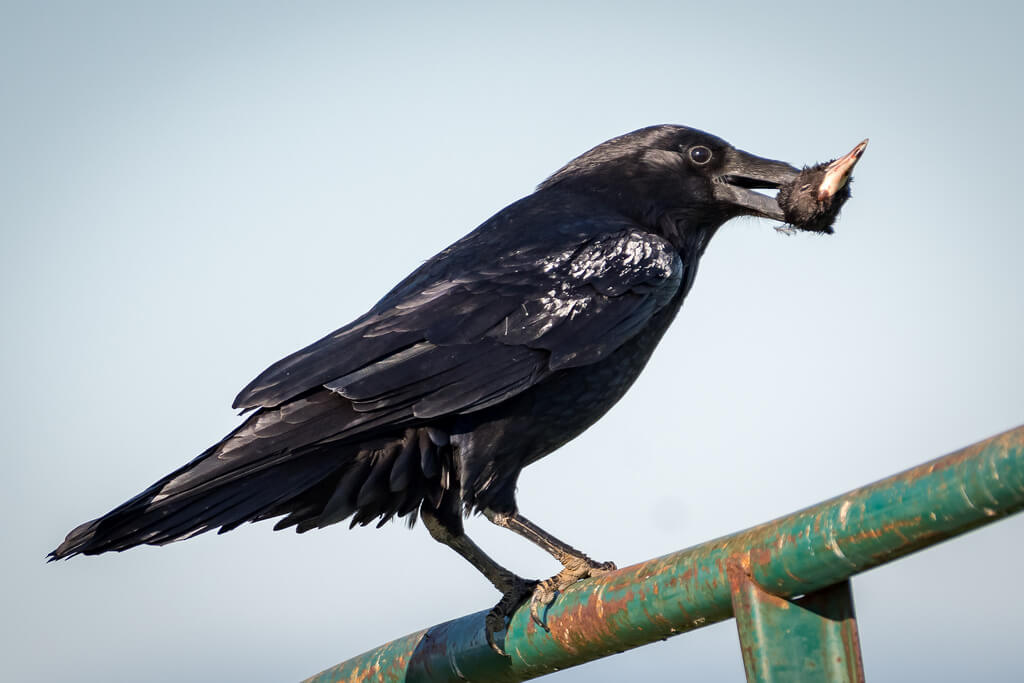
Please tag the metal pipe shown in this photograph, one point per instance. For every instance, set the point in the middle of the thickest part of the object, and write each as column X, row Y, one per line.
column 802, row 552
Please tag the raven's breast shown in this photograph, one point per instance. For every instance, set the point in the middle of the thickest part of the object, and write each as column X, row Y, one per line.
column 493, row 446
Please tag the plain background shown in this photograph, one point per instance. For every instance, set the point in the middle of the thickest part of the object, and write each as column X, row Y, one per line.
column 191, row 190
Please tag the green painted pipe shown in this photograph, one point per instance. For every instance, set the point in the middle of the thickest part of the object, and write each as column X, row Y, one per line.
column 799, row 553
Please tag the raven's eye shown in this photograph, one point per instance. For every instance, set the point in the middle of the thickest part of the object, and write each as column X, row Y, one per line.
column 700, row 155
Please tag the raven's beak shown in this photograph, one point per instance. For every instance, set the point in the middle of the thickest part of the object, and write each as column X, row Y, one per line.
column 742, row 173
column 838, row 172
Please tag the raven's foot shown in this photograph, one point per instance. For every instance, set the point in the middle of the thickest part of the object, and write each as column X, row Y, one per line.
column 519, row 590
column 576, row 569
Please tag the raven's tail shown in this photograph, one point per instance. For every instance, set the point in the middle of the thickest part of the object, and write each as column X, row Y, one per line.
column 283, row 461
column 150, row 519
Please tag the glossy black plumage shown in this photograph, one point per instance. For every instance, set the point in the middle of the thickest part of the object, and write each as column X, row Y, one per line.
column 492, row 354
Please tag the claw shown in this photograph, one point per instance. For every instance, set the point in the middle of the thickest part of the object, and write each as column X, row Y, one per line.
column 494, row 624
column 543, row 595
column 546, row 591
column 506, row 607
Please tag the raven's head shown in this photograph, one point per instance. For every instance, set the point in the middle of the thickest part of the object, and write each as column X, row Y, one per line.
column 678, row 180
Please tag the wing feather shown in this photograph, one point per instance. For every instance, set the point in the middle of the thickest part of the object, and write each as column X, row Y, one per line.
column 458, row 336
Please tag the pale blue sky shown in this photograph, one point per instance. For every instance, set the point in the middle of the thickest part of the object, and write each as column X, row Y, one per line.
column 189, row 192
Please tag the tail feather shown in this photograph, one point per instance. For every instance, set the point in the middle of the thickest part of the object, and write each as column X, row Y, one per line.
column 259, row 472
column 141, row 521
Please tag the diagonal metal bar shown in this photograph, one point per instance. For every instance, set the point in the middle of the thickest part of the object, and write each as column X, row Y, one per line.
column 798, row 554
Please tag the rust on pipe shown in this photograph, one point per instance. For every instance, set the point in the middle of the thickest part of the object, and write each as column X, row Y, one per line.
column 797, row 554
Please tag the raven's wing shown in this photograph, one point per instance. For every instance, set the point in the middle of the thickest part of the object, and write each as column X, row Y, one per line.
column 457, row 339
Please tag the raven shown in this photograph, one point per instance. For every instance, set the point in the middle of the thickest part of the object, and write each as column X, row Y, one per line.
column 492, row 354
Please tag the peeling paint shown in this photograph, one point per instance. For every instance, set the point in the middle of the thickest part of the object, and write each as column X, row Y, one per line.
column 844, row 510
column 798, row 554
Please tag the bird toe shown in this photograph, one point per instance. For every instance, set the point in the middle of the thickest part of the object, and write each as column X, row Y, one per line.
column 496, row 620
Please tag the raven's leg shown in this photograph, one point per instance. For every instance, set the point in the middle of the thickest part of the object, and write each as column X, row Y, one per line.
column 576, row 565
column 447, row 528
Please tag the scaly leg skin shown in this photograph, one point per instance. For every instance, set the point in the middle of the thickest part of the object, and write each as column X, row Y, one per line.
column 576, row 565
column 514, row 589
column 576, row 569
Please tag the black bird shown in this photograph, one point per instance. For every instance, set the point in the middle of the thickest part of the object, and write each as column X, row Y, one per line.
column 491, row 355
column 813, row 199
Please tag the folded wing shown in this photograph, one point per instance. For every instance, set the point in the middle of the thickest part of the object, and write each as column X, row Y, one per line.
column 463, row 341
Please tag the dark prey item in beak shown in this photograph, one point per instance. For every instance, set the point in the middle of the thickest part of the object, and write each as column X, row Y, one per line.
column 813, row 200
